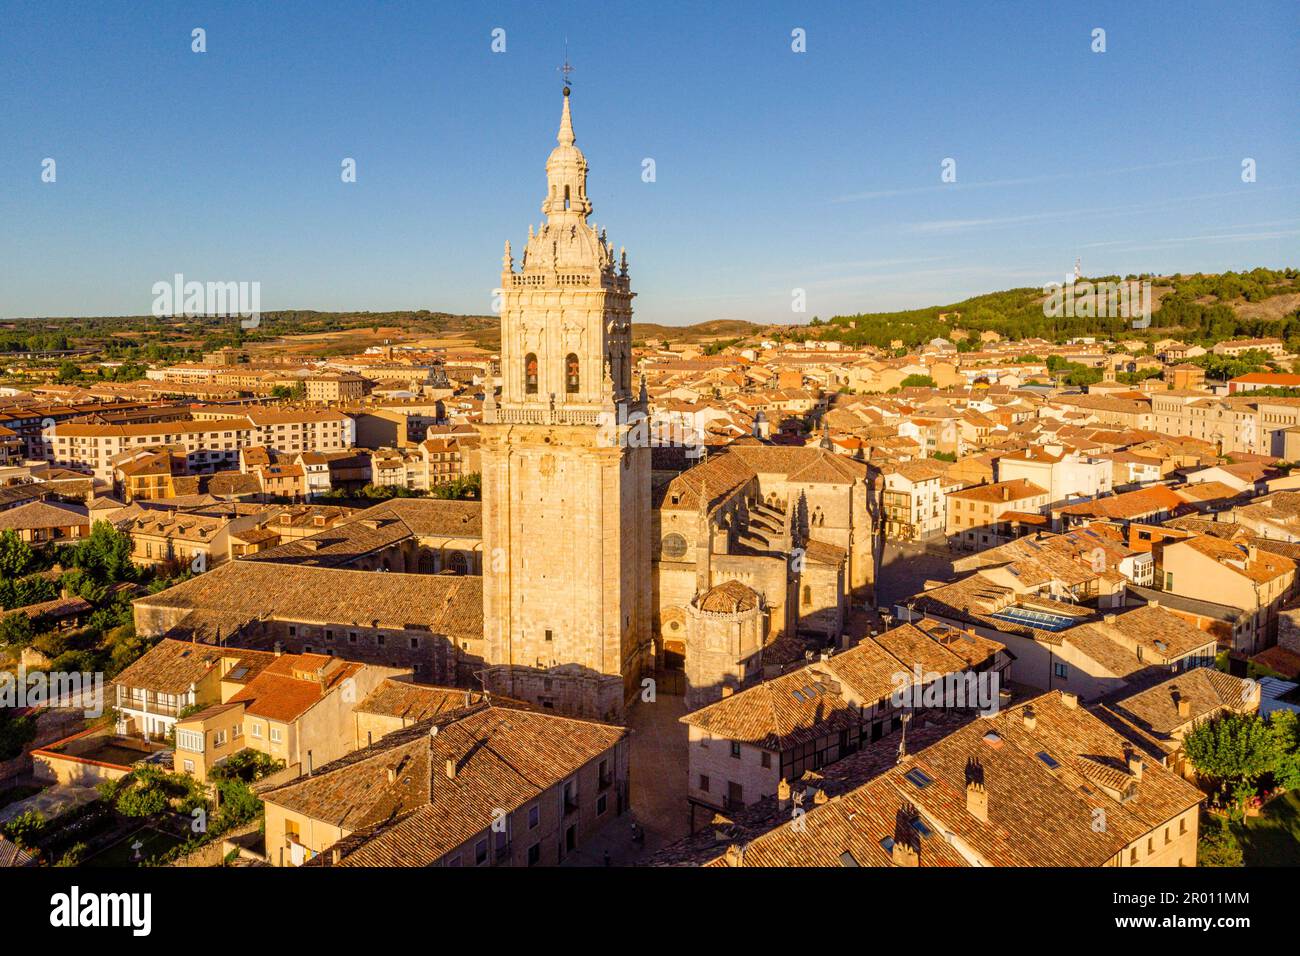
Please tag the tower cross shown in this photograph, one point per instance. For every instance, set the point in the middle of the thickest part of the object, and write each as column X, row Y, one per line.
column 566, row 69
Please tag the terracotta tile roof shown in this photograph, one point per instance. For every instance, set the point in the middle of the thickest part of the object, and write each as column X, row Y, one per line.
column 1017, row 489
column 1261, row 568
column 817, row 699
column 1285, row 662
column 415, row 702
column 1130, row 504
column 729, row 597
column 502, row 759
column 245, row 590
column 1206, row 691
column 171, row 666
column 42, row 515
column 1040, row 813
column 380, row 527
column 292, row 684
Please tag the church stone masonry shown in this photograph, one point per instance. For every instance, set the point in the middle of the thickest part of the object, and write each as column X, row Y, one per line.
column 566, row 500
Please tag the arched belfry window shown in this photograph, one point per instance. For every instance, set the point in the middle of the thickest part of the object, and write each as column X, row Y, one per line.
column 566, row 197
column 530, row 374
column 572, row 377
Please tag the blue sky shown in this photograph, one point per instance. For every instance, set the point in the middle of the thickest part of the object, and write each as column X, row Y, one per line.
column 775, row 170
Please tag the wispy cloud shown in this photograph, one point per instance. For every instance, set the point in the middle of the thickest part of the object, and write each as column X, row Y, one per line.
column 942, row 226
column 1021, row 180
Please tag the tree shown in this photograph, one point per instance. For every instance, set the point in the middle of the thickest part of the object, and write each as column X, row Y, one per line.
column 917, row 381
column 1285, row 727
column 105, row 555
column 1232, row 750
column 16, row 629
column 466, row 487
column 1217, row 845
column 16, row 555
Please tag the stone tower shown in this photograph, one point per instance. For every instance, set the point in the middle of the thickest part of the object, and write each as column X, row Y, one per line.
column 566, row 496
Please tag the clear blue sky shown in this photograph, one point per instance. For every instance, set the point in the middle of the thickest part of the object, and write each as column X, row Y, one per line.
column 775, row 170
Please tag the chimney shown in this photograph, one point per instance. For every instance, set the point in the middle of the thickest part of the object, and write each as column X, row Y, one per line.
column 1153, row 602
column 735, row 856
column 783, row 795
column 451, row 769
column 727, row 691
column 820, row 797
column 977, row 801
column 1184, row 706
column 1135, row 764
column 1109, row 618
column 1031, row 719
column 392, row 775
column 1070, row 699
column 334, row 857
column 279, row 648
column 902, row 854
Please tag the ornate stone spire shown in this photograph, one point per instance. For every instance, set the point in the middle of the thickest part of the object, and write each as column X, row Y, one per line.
column 565, row 136
column 566, row 176
column 507, row 260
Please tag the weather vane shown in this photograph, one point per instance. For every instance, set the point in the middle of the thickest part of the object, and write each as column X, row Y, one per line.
column 566, row 69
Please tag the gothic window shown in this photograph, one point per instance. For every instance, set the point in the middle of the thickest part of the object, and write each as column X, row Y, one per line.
column 566, row 197
column 530, row 374
column 571, row 376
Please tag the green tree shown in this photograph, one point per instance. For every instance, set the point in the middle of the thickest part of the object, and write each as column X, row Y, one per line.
column 1232, row 750
column 16, row 630
column 1217, row 845
column 16, row 555
column 105, row 555
column 917, row 381
column 1285, row 727
column 25, row 829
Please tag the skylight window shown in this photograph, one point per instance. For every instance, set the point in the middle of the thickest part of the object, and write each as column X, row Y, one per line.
column 846, row 859
column 797, row 696
column 919, row 826
column 918, row 778
column 887, row 844
column 1048, row 759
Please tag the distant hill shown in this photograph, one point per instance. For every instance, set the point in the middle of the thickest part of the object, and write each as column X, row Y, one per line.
column 1196, row 308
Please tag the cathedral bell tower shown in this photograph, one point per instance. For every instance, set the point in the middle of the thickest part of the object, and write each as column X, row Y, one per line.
column 566, row 495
